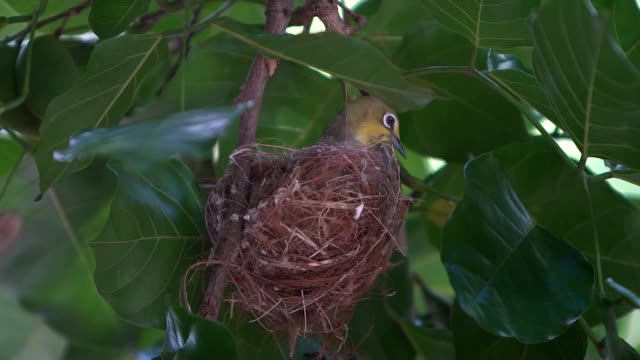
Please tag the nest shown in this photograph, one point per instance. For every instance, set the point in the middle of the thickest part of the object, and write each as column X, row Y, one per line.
column 319, row 227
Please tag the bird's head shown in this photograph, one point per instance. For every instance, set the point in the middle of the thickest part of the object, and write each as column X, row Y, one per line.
column 369, row 120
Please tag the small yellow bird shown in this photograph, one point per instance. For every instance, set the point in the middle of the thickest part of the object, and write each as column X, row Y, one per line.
column 367, row 120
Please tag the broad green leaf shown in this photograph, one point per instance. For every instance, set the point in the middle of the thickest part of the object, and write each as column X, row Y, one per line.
column 388, row 21
column 52, row 73
column 152, row 235
column 109, row 18
column 49, row 266
column 145, row 142
column 556, row 198
column 24, row 336
column 486, row 23
column 190, row 337
column 19, row 119
column 472, row 343
column 515, row 278
column 464, row 102
column 509, row 72
column 340, row 56
column 436, row 344
column 593, row 88
column 107, row 91
column 626, row 16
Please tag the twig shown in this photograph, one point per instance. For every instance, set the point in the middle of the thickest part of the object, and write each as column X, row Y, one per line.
column 590, row 334
column 632, row 298
column 278, row 13
column 72, row 11
column 327, row 12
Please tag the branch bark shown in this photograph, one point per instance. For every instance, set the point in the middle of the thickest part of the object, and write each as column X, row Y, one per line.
column 278, row 14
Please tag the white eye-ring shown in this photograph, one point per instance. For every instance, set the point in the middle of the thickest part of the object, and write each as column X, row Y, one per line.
column 389, row 121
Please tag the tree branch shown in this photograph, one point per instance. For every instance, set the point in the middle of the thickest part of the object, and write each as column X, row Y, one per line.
column 278, row 14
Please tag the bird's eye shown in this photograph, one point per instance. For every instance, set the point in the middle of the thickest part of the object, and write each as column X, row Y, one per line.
column 389, row 121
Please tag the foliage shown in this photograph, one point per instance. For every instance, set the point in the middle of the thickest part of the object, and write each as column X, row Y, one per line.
column 113, row 112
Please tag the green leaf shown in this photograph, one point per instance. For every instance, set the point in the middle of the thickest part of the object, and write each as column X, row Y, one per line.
column 49, row 266
column 436, row 344
column 486, row 23
column 388, row 21
column 29, row 337
column 556, row 198
column 515, row 278
column 627, row 351
column 465, row 102
column 53, row 72
column 378, row 76
column 19, row 119
column 109, row 89
column 109, row 18
column 10, row 153
column 145, row 142
column 193, row 338
column 592, row 86
column 152, row 235
column 471, row 342
column 626, row 16
column 375, row 323
column 299, row 103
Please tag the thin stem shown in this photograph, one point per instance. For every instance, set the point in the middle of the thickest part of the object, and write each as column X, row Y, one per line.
column 632, row 298
column 438, row 70
column 583, row 162
column 72, row 11
column 593, row 337
column 27, row 74
column 214, row 15
column 419, row 186
column 19, row 19
column 596, row 239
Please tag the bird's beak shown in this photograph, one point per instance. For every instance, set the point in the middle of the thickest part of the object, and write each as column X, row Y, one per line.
column 396, row 144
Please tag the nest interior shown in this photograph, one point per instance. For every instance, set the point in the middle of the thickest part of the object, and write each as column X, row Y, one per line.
column 319, row 226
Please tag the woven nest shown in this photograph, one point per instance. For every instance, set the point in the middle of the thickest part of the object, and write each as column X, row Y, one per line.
column 319, row 227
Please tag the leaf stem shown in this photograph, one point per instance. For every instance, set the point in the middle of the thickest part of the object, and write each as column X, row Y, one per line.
column 590, row 333
column 72, row 11
column 419, row 186
column 214, row 15
column 632, row 298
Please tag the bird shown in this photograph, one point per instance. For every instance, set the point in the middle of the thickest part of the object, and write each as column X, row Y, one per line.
column 366, row 120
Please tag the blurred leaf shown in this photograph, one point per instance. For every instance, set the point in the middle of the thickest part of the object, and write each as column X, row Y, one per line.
column 556, row 199
column 251, row 338
column 486, row 23
column 388, row 21
column 74, row 352
column 488, row 242
column 377, row 75
column 626, row 16
column 18, row 7
column 52, row 73
column 150, row 141
column 109, row 18
column 592, row 86
column 24, row 336
column 110, row 87
column 471, row 342
column 627, row 351
column 49, row 266
column 193, row 338
column 19, row 119
column 463, row 121
column 436, row 344
column 375, row 323
column 152, row 235
column 10, row 153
